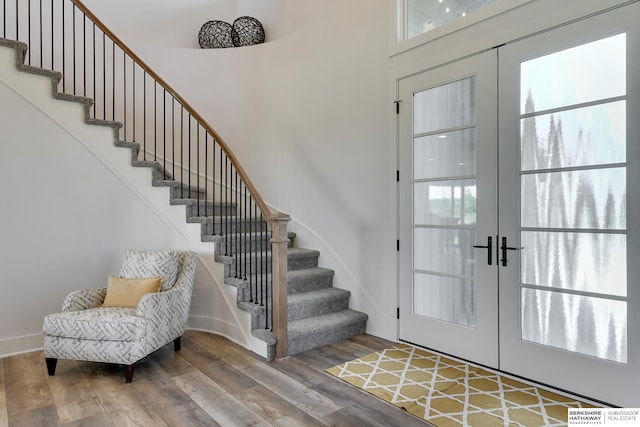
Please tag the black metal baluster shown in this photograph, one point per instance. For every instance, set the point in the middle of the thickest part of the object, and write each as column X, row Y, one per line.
column 206, row 175
column 189, row 159
column 133, row 108
column 197, row 166
column 124, row 95
column 253, row 267
column 164, row 131
column 229, row 184
column 41, row 37
column 259, row 264
column 264, row 278
column 73, row 74
column 226, row 198
column 52, row 41
column 242, row 231
column 173, row 139
column 213, row 175
column 182, row 153
column 29, row 30
column 64, row 49
column 155, row 119
column 104, row 76
column 84, row 56
column 95, row 86
column 113, row 81
column 144, row 115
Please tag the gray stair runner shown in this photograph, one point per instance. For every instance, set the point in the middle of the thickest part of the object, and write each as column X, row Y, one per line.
column 318, row 313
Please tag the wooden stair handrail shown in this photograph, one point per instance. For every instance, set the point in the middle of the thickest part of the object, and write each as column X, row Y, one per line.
column 234, row 160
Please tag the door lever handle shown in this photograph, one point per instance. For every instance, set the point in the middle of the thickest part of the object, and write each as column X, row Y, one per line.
column 504, row 248
column 488, row 247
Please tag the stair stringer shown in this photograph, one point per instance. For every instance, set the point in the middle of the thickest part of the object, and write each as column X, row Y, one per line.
column 99, row 137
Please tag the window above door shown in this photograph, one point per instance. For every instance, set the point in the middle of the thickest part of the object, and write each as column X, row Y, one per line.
column 427, row 15
column 419, row 21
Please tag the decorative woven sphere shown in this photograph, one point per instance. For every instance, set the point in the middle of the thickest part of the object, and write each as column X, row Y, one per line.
column 215, row 34
column 247, row 31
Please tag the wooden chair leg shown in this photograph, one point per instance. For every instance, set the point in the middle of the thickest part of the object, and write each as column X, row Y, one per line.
column 128, row 372
column 177, row 344
column 51, row 365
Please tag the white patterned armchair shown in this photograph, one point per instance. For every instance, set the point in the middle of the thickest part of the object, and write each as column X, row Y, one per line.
column 87, row 330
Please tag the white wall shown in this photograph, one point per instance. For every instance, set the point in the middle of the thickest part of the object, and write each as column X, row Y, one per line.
column 310, row 112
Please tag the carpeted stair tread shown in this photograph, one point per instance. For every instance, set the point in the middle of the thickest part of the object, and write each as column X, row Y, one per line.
column 312, row 332
column 298, row 281
column 297, row 259
column 221, row 225
column 314, row 303
column 252, row 241
column 309, row 279
column 205, row 208
column 325, row 322
column 300, row 258
column 251, row 236
column 319, row 295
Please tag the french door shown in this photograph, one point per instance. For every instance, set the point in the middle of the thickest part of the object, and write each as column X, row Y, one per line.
column 519, row 209
column 449, row 204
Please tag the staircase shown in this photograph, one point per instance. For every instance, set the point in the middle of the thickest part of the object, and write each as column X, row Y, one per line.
column 318, row 313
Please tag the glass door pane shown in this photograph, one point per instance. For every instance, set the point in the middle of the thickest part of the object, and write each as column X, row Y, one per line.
column 573, row 198
column 444, row 189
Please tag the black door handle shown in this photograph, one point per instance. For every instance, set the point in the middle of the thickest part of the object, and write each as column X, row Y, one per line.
column 488, row 248
column 504, row 248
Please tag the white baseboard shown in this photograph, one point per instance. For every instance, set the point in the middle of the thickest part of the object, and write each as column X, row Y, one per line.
column 216, row 326
column 20, row 345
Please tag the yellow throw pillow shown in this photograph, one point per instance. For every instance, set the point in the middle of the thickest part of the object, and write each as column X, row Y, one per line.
column 128, row 292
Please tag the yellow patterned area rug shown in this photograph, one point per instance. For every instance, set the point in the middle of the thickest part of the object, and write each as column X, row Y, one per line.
column 447, row 392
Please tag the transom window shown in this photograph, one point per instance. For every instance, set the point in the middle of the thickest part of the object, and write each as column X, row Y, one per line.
column 421, row 16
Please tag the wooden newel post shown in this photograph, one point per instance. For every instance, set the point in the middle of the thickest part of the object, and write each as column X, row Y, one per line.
column 279, row 244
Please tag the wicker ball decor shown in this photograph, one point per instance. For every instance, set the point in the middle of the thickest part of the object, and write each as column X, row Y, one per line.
column 247, row 31
column 215, row 34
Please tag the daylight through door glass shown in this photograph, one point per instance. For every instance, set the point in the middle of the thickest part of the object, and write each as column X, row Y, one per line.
column 573, row 199
column 444, row 200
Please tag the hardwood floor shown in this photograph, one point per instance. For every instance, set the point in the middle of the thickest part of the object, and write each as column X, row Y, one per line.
column 210, row 382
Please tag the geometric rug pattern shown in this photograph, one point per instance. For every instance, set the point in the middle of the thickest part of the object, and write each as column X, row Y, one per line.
column 448, row 392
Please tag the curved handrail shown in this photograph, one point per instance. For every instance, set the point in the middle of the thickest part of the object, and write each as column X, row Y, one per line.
column 232, row 157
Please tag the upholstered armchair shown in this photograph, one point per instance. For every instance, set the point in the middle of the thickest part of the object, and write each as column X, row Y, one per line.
column 96, row 325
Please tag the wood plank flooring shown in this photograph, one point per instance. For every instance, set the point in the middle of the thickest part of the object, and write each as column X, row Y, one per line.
column 210, row 382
